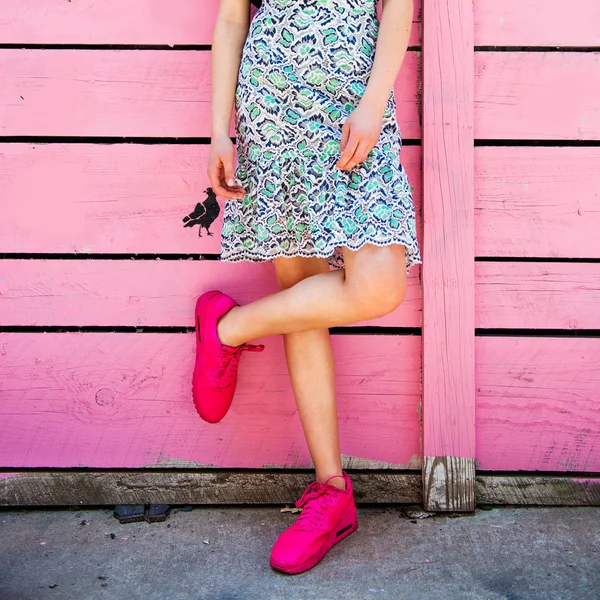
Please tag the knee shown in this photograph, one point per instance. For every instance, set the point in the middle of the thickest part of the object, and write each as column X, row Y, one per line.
column 378, row 292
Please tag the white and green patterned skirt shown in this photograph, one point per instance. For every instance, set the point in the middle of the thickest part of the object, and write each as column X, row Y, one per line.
column 305, row 65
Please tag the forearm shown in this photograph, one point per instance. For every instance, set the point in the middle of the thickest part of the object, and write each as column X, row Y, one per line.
column 228, row 42
column 392, row 42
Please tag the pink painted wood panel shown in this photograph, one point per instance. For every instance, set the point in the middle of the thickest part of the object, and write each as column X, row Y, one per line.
column 537, row 295
column 119, row 93
column 130, row 93
column 537, row 23
column 117, row 198
column 537, row 403
column 537, row 201
column 111, row 22
column 108, row 22
column 124, row 400
column 143, row 293
column 537, row 95
column 447, row 272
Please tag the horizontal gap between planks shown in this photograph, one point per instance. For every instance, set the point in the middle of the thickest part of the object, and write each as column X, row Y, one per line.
column 346, row 330
column 358, row 330
column 535, row 259
column 208, row 47
column 287, row 471
column 218, row 470
column 55, row 139
column 175, row 47
column 193, row 257
column 552, row 143
column 537, row 49
column 527, row 332
column 121, row 256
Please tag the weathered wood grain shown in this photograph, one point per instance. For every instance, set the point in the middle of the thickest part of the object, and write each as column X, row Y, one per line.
column 111, row 22
column 190, row 487
column 64, row 488
column 144, row 293
column 115, row 198
column 449, row 483
column 537, row 201
column 447, row 273
column 537, row 404
column 124, row 400
column 537, row 295
column 536, row 23
column 537, row 95
column 148, row 93
column 538, row 490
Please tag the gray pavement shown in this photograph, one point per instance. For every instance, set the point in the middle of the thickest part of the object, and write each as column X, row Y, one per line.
column 222, row 553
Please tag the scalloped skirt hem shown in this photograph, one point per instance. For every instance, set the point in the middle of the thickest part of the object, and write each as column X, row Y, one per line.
column 332, row 253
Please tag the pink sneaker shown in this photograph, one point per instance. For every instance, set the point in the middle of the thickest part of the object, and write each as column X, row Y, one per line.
column 328, row 516
column 215, row 371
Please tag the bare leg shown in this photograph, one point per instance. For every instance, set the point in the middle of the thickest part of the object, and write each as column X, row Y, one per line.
column 373, row 284
column 312, row 372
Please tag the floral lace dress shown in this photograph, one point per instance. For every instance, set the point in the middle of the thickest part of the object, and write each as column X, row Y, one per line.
column 305, row 65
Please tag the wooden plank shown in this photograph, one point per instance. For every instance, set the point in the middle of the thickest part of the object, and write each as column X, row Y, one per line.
column 537, row 295
column 538, row 490
column 109, row 22
column 537, row 404
column 448, row 481
column 67, row 488
column 143, row 293
column 148, row 93
column 536, row 23
column 115, row 198
column 122, row 400
column 447, row 273
column 190, row 487
column 537, row 95
column 537, row 201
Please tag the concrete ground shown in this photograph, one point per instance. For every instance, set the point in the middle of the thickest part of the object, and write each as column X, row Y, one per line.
column 223, row 554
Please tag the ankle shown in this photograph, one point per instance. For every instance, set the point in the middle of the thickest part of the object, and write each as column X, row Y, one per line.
column 336, row 480
column 224, row 331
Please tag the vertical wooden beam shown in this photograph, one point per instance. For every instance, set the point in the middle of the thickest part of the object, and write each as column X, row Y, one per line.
column 448, row 264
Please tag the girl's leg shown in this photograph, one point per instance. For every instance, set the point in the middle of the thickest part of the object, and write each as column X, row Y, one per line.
column 312, row 372
column 373, row 284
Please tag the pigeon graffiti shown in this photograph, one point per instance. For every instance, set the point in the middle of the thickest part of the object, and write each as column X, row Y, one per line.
column 204, row 214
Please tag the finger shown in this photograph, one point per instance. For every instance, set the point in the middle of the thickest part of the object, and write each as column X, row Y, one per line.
column 234, row 191
column 348, row 152
column 362, row 151
column 345, row 135
column 218, row 183
column 228, row 172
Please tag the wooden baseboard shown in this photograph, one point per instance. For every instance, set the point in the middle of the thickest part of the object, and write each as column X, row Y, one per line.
column 53, row 488
column 541, row 490
column 91, row 488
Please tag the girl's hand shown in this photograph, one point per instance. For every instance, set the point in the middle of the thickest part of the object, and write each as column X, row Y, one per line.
column 220, row 168
column 359, row 134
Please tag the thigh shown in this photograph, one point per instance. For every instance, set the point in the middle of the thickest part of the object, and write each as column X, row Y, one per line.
column 383, row 265
column 291, row 270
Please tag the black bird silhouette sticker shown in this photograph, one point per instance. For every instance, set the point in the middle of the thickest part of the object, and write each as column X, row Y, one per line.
column 204, row 214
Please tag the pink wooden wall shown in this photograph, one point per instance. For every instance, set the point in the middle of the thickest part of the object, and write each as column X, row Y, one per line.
column 97, row 294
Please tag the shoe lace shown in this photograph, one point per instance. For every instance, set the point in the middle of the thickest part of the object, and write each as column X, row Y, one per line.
column 314, row 502
column 227, row 362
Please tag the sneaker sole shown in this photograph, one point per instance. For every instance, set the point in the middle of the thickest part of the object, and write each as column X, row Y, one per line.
column 342, row 532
